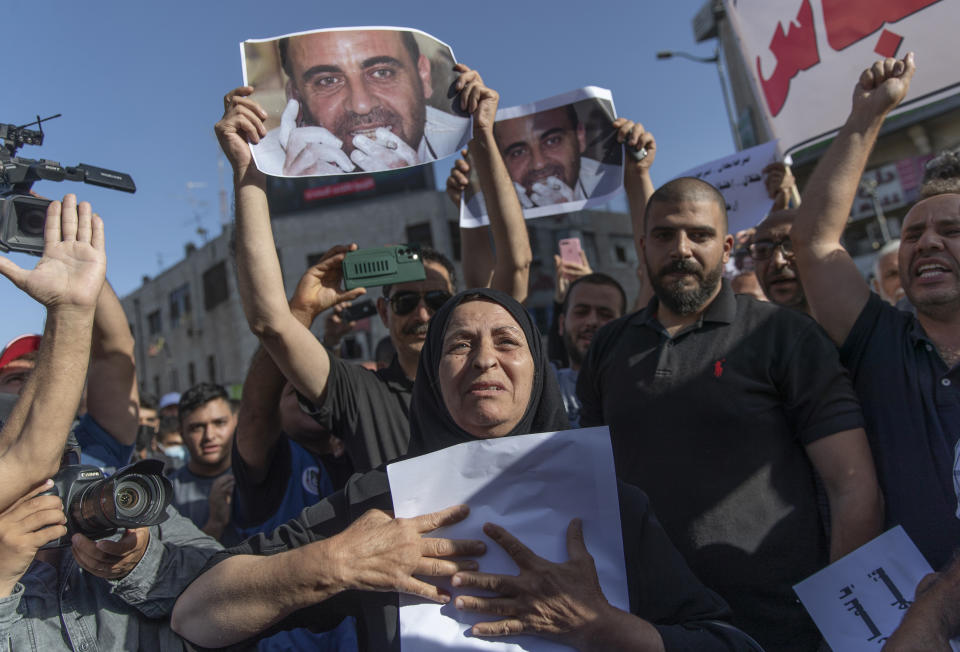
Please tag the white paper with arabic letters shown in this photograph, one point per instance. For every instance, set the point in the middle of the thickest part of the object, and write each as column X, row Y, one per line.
column 859, row 600
column 532, row 485
column 739, row 178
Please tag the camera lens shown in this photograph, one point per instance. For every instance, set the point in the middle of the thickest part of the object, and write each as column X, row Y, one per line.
column 127, row 498
column 131, row 497
column 30, row 221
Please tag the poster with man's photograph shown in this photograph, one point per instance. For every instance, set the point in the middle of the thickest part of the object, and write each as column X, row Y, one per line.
column 562, row 154
column 352, row 100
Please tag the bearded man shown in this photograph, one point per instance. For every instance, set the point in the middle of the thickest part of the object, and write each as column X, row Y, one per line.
column 720, row 407
column 356, row 101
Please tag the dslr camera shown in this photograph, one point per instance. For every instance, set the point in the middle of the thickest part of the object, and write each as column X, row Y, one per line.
column 21, row 214
column 98, row 506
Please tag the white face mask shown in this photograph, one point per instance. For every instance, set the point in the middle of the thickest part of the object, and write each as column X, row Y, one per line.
column 177, row 451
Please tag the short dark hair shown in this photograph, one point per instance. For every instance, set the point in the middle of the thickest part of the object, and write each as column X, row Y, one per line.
column 198, row 396
column 407, row 38
column 596, row 278
column 431, row 255
column 148, row 401
column 569, row 109
column 941, row 175
column 686, row 189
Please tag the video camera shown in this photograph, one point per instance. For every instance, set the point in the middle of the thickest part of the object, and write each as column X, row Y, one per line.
column 22, row 215
column 97, row 506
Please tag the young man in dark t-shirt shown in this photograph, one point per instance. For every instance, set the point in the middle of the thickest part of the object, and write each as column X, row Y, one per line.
column 202, row 489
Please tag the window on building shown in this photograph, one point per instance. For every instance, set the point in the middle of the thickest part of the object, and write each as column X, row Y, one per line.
column 179, row 304
column 455, row 238
column 313, row 259
column 174, row 381
column 215, row 288
column 191, row 374
column 624, row 251
column 420, row 234
column 154, row 322
column 156, row 386
column 211, row 369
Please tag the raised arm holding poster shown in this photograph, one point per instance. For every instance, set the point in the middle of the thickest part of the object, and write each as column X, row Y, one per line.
column 801, row 55
column 353, row 100
column 561, row 153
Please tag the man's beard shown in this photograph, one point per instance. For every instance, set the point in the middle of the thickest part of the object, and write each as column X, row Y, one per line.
column 679, row 300
column 573, row 353
column 379, row 116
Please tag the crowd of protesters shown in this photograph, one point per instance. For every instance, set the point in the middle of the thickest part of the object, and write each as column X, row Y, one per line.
column 773, row 409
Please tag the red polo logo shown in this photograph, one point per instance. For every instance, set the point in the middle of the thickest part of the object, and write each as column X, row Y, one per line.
column 718, row 367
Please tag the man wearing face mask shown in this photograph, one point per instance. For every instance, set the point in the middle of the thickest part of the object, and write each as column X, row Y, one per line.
column 163, row 443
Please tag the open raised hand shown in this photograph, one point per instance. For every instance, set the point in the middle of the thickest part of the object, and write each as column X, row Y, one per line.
column 71, row 270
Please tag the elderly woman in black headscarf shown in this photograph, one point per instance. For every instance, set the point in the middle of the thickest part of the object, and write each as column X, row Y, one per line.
column 483, row 373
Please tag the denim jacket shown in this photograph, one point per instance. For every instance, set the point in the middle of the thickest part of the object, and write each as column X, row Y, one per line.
column 74, row 610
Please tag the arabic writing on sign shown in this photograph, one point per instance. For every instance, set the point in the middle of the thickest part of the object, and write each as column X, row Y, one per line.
column 739, row 178
column 856, row 608
column 860, row 599
column 849, row 21
column 794, row 51
column 846, row 22
column 730, row 178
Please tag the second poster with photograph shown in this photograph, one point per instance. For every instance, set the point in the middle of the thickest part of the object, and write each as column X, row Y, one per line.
column 561, row 153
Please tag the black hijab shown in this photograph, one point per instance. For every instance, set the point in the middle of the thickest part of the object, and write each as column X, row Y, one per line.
column 432, row 427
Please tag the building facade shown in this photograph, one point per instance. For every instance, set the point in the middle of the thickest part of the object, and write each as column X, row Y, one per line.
column 189, row 324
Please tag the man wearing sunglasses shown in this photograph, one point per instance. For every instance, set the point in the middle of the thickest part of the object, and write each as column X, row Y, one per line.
column 776, row 268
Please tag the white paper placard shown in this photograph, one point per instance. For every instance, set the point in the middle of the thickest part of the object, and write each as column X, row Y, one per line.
column 532, row 485
column 739, row 178
column 859, row 600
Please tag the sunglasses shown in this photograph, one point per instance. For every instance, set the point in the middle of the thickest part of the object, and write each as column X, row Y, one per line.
column 406, row 301
column 764, row 249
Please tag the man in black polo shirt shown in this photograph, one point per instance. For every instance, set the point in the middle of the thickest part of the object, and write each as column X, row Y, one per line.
column 717, row 405
column 905, row 368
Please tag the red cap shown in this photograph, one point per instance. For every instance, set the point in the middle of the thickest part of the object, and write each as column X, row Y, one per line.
column 17, row 347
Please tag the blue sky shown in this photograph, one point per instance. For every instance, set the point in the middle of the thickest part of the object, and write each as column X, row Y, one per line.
column 140, row 86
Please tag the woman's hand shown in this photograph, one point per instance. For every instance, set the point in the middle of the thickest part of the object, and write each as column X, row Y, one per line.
column 563, row 601
column 382, row 553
